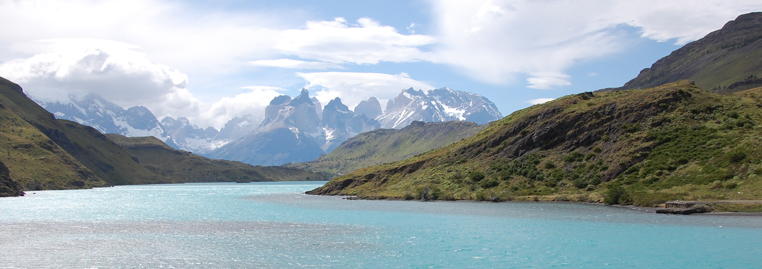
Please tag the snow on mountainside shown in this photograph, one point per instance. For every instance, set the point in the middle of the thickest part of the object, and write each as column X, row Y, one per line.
column 107, row 117
column 437, row 105
column 190, row 137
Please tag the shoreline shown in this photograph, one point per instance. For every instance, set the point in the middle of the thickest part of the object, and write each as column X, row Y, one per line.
column 631, row 207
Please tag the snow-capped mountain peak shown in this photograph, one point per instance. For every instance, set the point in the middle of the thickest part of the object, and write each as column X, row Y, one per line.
column 443, row 104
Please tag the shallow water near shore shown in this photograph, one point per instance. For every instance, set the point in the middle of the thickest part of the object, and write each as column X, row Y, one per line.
column 274, row 225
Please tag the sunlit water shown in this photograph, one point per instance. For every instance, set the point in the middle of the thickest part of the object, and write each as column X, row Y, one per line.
column 273, row 225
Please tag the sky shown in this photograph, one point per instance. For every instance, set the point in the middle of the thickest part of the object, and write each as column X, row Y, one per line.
column 211, row 61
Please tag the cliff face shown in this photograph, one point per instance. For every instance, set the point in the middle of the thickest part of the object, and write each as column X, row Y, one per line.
column 656, row 142
column 725, row 61
column 8, row 186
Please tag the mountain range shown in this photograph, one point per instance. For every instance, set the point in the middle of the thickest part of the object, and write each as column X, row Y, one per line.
column 138, row 121
column 292, row 130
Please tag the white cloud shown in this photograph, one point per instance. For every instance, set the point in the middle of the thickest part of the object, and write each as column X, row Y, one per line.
column 496, row 40
column 112, row 70
column 338, row 42
column 252, row 102
column 411, row 28
column 118, row 73
column 295, row 64
column 355, row 87
column 178, row 34
column 540, row 100
column 547, row 80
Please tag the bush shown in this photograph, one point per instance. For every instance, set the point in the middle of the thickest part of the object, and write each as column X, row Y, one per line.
column 575, row 156
column 616, row 194
column 550, row 165
column 631, row 128
column 489, row 184
column 476, row 176
column 736, row 156
column 580, row 183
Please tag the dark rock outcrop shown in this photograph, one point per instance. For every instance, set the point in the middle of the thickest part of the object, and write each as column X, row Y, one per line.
column 8, row 186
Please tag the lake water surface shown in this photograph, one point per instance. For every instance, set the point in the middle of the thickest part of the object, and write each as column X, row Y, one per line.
column 274, row 225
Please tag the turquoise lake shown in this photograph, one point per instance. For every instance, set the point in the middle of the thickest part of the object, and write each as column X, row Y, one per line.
column 274, row 225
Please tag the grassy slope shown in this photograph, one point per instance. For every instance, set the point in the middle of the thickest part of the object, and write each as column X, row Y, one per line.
column 389, row 145
column 675, row 141
column 101, row 156
column 182, row 166
column 725, row 61
column 35, row 161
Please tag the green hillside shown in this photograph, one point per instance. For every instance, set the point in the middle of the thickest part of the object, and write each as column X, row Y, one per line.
column 389, row 145
column 35, row 161
column 675, row 141
column 182, row 166
column 725, row 61
column 90, row 148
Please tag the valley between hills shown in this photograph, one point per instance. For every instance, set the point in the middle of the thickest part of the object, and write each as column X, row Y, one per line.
column 688, row 128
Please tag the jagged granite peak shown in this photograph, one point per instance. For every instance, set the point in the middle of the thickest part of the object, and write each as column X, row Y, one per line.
column 371, row 108
column 724, row 61
column 281, row 100
column 239, row 127
column 303, row 98
column 340, row 124
column 438, row 105
column 318, row 107
column 273, row 109
column 337, row 105
column 290, row 132
column 300, row 114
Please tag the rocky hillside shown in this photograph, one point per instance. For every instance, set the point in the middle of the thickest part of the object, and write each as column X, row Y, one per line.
column 725, row 61
column 183, row 166
column 674, row 141
column 389, row 145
